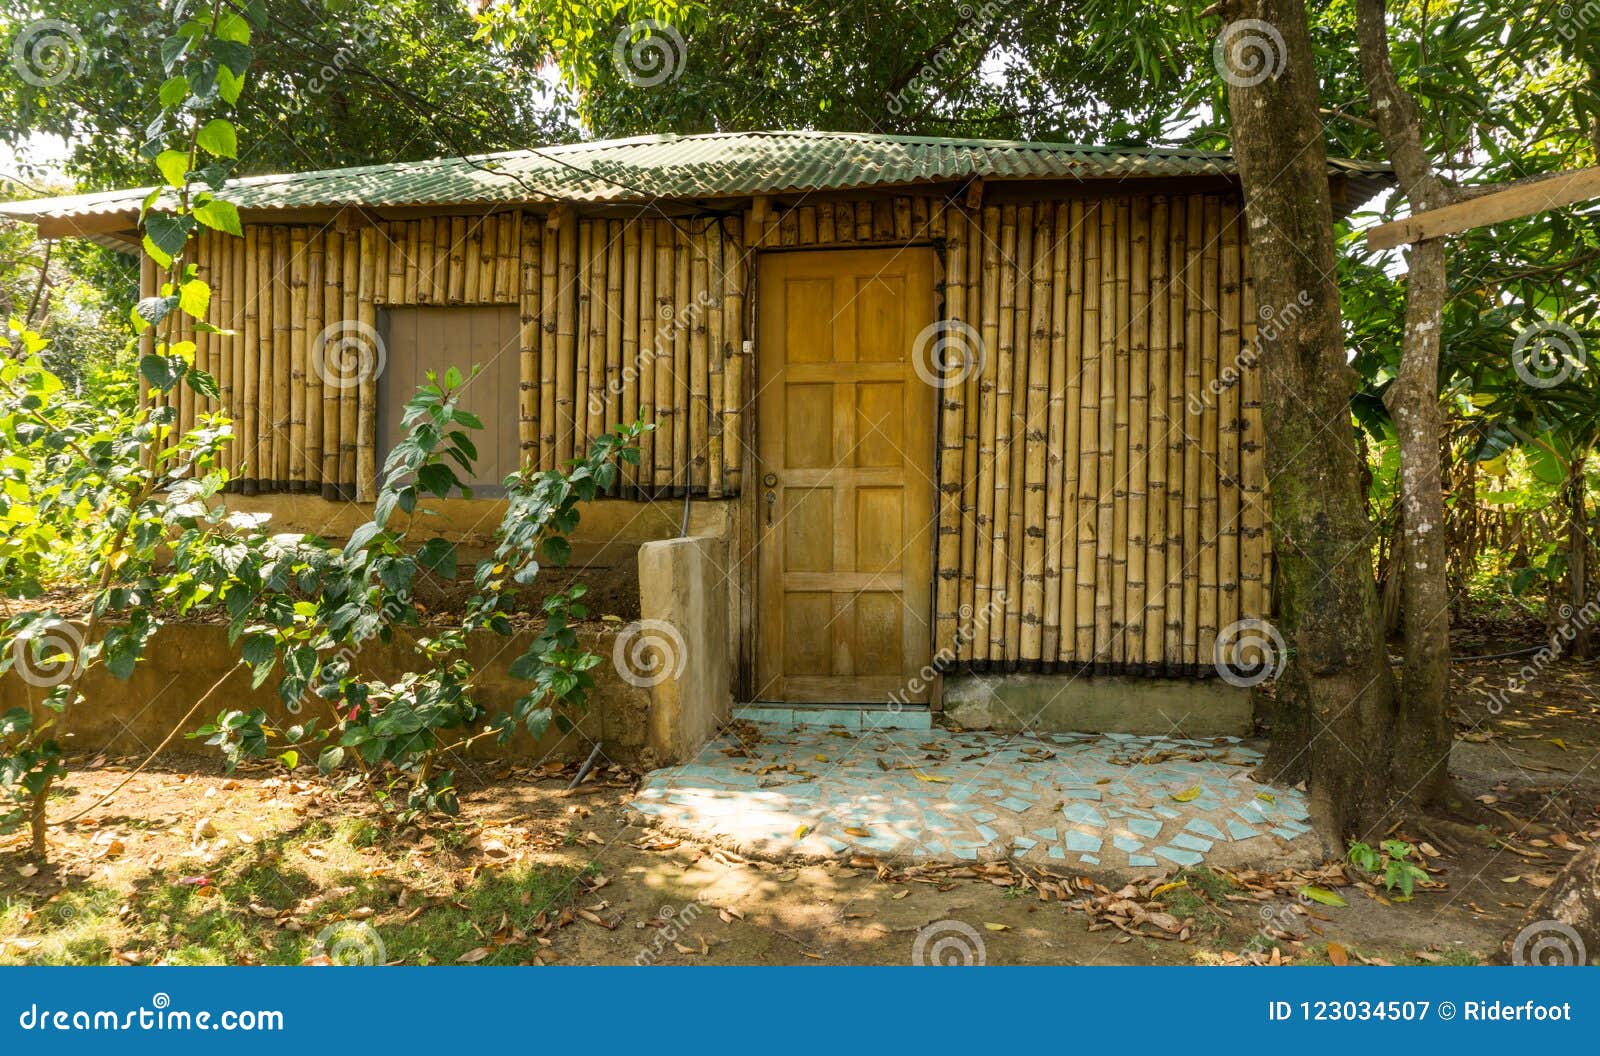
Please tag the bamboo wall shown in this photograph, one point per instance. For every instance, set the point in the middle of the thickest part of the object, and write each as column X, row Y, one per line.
column 1102, row 494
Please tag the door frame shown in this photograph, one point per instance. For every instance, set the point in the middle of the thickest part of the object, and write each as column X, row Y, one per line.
column 750, row 493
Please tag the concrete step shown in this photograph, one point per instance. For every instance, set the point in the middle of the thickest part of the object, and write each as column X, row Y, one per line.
column 850, row 716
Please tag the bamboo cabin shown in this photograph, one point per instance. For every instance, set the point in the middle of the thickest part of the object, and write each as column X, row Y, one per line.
column 960, row 406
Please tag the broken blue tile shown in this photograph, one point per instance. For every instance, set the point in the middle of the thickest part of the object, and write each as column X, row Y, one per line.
column 1202, row 827
column 1012, row 803
column 1166, row 812
column 1127, row 843
column 1089, row 859
column 966, row 854
column 987, row 833
column 1078, row 841
column 983, row 817
column 1045, row 834
column 836, row 846
column 1024, row 843
column 1141, row 861
column 933, row 847
column 1082, row 793
column 1191, row 842
column 1083, row 814
column 1240, row 831
column 1178, row 856
column 1149, row 828
column 1283, row 833
column 1056, row 852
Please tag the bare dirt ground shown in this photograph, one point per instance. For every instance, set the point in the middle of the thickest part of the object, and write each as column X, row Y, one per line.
column 189, row 865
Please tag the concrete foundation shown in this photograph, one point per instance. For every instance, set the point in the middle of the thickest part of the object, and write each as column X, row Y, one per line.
column 183, row 661
column 682, row 649
column 1102, row 704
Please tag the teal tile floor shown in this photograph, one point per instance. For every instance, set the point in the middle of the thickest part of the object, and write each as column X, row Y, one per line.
column 818, row 791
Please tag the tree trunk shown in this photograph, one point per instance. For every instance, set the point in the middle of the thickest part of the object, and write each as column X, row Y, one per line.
column 1563, row 925
column 1578, row 558
column 1335, row 715
column 1423, row 736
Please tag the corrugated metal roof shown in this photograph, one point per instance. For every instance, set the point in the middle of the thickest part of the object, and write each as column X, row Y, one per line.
column 714, row 165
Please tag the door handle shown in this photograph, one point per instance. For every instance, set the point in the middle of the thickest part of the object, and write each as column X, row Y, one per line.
column 771, row 481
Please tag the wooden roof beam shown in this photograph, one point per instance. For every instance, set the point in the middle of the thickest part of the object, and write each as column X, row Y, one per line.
column 1495, row 206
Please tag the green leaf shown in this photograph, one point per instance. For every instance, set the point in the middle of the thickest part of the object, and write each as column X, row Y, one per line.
column 157, row 370
column 218, row 137
column 290, row 759
column 165, row 236
column 194, row 297
column 229, row 85
column 174, row 90
column 1322, row 895
column 220, row 216
column 233, row 26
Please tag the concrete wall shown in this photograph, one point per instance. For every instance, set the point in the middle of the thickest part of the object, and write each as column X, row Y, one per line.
column 1099, row 704
column 610, row 530
column 183, row 661
column 682, row 649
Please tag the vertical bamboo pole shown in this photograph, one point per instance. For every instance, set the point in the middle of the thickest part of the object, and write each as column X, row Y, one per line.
column 427, row 238
column 367, row 389
column 569, row 295
column 548, row 296
column 733, row 286
column 1210, row 291
column 349, row 397
column 528, row 285
column 1194, row 310
column 583, row 398
column 1177, row 447
column 1055, row 433
column 1229, row 423
column 456, row 261
column 1021, row 278
column 632, row 351
column 971, row 233
column 716, row 354
column 1253, row 561
column 250, row 434
column 298, row 385
column 989, row 417
column 615, row 324
column 1132, row 641
column 443, row 246
column 1113, row 423
column 1160, row 426
column 316, row 266
column 947, row 563
column 902, row 218
column 682, row 321
column 666, row 365
column 1005, row 380
column 393, row 291
column 332, row 313
column 1036, row 456
column 1119, row 490
column 508, row 258
column 864, row 215
column 413, row 270
column 806, row 225
column 844, row 222
column 827, row 234
column 645, row 321
column 789, row 227
column 472, row 261
column 699, row 401
column 1089, row 441
column 1069, row 232
column 282, row 378
column 220, row 254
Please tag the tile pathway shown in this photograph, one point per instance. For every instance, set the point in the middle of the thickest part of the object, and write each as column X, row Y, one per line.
column 1112, row 802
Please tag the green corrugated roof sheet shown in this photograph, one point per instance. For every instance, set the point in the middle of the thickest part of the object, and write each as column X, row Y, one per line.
column 715, row 165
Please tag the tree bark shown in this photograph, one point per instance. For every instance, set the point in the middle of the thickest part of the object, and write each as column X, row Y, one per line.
column 1563, row 925
column 1578, row 557
column 1423, row 736
column 1335, row 715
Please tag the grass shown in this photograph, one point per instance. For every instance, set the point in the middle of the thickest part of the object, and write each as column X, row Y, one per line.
column 337, row 890
column 1200, row 891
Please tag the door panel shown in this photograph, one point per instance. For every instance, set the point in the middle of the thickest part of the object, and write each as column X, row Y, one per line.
column 845, row 430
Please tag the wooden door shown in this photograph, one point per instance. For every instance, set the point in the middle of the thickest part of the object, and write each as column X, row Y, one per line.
column 845, row 445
